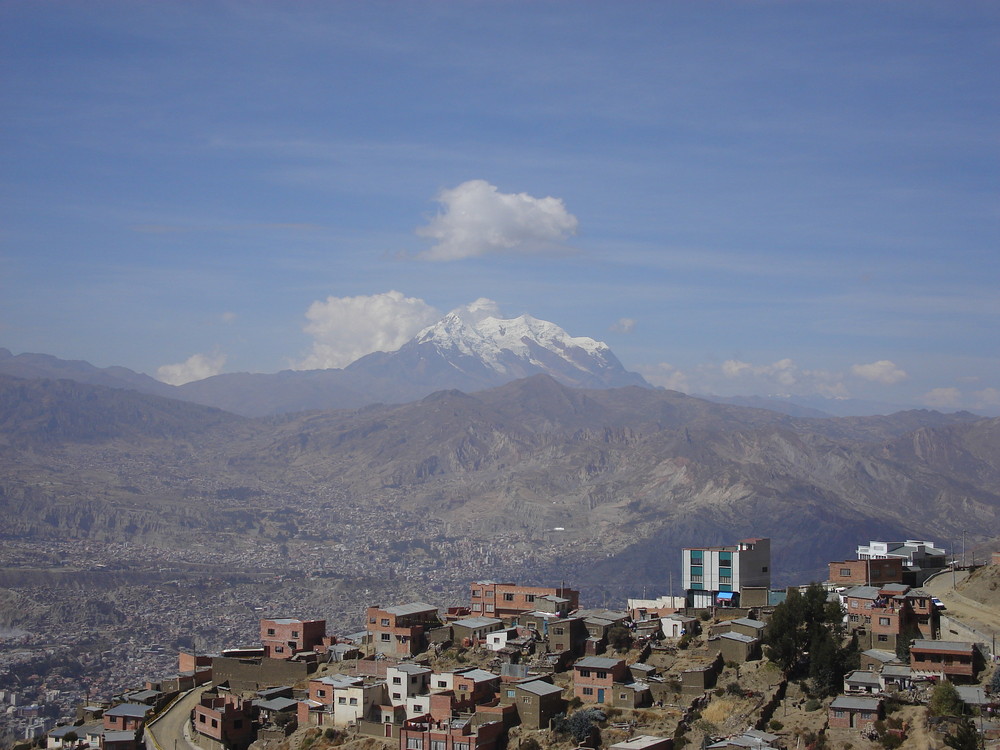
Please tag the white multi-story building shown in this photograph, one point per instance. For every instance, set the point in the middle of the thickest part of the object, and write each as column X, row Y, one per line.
column 916, row 553
column 720, row 575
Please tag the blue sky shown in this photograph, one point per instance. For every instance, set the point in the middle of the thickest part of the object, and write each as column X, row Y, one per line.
column 743, row 197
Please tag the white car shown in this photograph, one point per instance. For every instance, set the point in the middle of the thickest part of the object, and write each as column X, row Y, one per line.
column 938, row 603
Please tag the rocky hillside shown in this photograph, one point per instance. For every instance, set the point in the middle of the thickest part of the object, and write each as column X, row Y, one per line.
column 594, row 486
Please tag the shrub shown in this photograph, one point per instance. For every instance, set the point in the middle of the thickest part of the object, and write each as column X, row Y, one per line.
column 775, row 725
column 945, row 701
column 583, row 722
column 812, row 704
column 574, row 702
column 529, row 743
column 890, row 740
column 733, row 688
column 705, row 617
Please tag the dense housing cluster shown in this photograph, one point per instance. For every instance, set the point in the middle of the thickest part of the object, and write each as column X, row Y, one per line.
column 539, row 656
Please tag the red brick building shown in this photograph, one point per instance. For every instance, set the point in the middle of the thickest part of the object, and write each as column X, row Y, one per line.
column 284, row 638
column 866, row 572
column 401, row 631
column 225, row 718
column 421, row 734
column 854, row 712
column 595, row 676
column 508, row 600
column 950, row 658
column 126, row 717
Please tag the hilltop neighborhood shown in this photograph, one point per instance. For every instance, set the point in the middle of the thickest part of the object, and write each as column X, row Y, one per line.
column 715, row 664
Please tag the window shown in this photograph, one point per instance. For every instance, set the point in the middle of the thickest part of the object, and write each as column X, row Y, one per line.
column 215, row 723
column 414, row 743
column 354, row 701
column 417, row 708
column 397, row 680
column 442, row 684
column 396, row 696
column 585, row 673
column 463, row 687
column 489, row 594
column 279, row 649
column 557, row 631
column 588, row 691
column 602, row 675
column 461, row 746
column 529, row 597
column 883, row 621
column 477, row 607
column 845, row 572
column 623, row 696
column 508, row 597
column 511, row 693
column 295, row 634
column 882, row 637
column 201, row 718
column 437, row 744
column 839, row 714
column 525, row 700
column 475, row 592
column 385, row 622
column 386, row 637
column 342, row 701
column 270, row 631
column 321, row 693
column 489, row 607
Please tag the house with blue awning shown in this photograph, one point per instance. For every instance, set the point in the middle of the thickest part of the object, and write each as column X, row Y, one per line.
column 722, row 576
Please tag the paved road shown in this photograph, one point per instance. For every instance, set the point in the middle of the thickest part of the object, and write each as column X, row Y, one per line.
column 171, row 730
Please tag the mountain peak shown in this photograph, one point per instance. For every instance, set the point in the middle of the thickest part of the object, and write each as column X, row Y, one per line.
column 521, row 346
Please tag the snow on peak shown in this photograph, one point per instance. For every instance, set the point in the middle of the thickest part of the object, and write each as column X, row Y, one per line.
column 476, row 330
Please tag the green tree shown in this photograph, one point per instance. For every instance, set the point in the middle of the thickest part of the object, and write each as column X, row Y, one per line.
column 904, row 641
column 995, row 682
column 826, row 664
column 965, row 738
column 620, row 638
column 945, row 701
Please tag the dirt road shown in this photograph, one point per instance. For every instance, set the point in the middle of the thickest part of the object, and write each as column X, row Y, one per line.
column 982, row 617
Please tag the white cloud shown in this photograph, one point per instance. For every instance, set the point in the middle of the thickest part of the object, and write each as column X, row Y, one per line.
column 624, row 325
column 195, row 367
column 987, row 397
column 228, row 317
column 884, row 371
column 785, row 375
column 665, row 375
column 347, row 328
column 942, row 398
column 478, row 311
column 477, row 219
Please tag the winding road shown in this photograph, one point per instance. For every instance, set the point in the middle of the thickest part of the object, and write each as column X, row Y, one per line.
column 171, row 731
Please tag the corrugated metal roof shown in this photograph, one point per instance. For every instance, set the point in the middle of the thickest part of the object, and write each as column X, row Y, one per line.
column 856, row 703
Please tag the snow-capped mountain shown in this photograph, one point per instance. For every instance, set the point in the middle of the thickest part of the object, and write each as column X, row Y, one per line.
column 471, row 349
